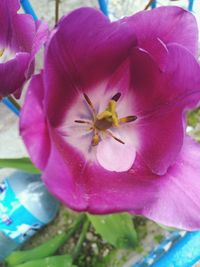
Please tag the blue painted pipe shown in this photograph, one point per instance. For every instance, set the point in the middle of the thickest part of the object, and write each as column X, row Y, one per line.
column 28, row 8
column 179, row 249
column 103, row 4
column 154, row 4
column 190, row 5
column 10, row 105
column 184, row 253
column 160, row 250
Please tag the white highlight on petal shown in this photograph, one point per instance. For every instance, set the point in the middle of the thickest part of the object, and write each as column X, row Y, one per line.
column 114, row 156
column 6, row 55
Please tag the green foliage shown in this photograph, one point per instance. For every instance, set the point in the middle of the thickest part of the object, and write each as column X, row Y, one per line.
column 55, row 261
column 116, row 258
column 23, row 164
column 117, row 229
column 158, row 238
column 46, row 249
column 193, row 117
column 79, row 244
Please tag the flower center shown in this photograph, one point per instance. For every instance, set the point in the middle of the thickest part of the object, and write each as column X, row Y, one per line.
column 102, row 122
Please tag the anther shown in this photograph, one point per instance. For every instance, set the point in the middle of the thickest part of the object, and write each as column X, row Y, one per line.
column 1, row 52
column 127, row 119
column 113, row 136
column 80, row 121
column 87, row 100
column 90, row 104
column 116, row 97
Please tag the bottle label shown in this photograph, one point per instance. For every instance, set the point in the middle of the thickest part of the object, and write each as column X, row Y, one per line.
column 16, row 221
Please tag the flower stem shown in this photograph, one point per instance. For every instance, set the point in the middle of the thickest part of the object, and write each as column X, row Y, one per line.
column 79, row 244
column 149, row 4
column 14, row 102
column 57, row 10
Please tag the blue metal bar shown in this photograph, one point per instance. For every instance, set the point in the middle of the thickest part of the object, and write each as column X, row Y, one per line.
column 160, row 250
column 190, row 5
column 179, row 249
column 103, row 4
column 184, row 253
column 28, row 8
column 154, row 4
column 10, row 105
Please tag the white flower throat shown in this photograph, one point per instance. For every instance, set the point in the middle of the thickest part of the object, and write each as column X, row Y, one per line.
column 103, row 121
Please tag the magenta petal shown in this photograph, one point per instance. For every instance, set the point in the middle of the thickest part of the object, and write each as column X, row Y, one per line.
column 80, row 54
column 154, row 86
column 176, row 195
column 40, row 37
column 169, row 24
column 22, row 37
column 86, row 186
column 33, row 126
column 22, row 33
column 175, row 84
column 8, row 9
column 172, row 199
column 61, row 180
column 17, row 30
column 15, row 68
column 161, row 138
column 160, row 100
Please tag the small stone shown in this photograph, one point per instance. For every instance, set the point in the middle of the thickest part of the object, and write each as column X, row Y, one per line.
column 89, row 236
column 105, row 252
column 95, row 248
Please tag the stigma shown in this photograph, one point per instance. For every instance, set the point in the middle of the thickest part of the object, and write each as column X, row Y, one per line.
column 103, row 122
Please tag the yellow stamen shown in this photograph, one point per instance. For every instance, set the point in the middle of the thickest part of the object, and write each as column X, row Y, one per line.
column 115, row 120
column 104, row 115
column 95, row 138
column 127, row 119
column 105, row 120
column 112, row 107
column 110, row 113
column 1, row 52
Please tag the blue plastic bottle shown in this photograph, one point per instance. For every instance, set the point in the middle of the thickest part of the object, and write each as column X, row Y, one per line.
column 25, row 207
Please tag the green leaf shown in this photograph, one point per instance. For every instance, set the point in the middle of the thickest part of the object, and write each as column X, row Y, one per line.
column 117, row 229
column 193, row 117
column 158, row 238
column 54, row 261
column 23, row 164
